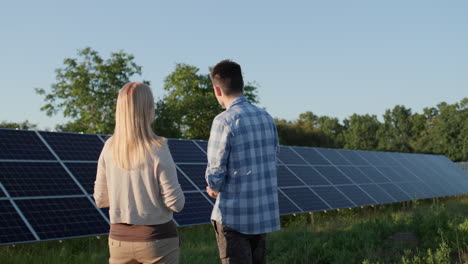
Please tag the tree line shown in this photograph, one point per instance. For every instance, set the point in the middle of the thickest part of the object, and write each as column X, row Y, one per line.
column 86, row 90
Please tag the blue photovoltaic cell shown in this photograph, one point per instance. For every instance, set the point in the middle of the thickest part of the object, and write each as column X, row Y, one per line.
column 105, row 210
column 406, row 174
column 359, row 197
column 311, row 156
column 70, row 146
column 455, row 177
column 395, row 192
column 309, row 175
column 36, row 179
column 354, row 157
column 333, row 175
column 355, row 175
column 391, row 174
column 197, row 210
column 306, row 199
column 63, row 217
column 333, row 156
column 287, row 156
column 85, row 173
column 203, row 144
column 389, row 158
column 286, row 178
column 373, row 174
column 371, row 157
column 184, row 183
column 333, row 197
column 12, row 227
column 414, row 190
column 19, row 145
column 196, row 173
column 286, row 206
column 2, row 194
column 377, row 193
column 186, row 151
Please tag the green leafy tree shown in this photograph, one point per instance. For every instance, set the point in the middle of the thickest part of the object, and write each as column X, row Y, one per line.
column 361, row 132
column 396, row 132
column 311, row 130
column 449, row 133
column 24, row 125
column 86, row 90
column 189, row 105
column 422, row 126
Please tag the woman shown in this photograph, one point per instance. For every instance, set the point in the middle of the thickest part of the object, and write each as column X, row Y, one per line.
column 137, row 179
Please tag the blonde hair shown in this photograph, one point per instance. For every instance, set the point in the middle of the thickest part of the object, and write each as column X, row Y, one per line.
column 133, row 137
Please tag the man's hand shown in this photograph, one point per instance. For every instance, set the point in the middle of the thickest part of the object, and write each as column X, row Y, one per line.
column 211, row 193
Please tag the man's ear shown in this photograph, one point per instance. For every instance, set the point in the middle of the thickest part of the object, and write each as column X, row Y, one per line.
column 217, row 90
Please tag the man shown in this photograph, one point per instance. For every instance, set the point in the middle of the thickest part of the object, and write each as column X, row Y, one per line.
column 241, row 172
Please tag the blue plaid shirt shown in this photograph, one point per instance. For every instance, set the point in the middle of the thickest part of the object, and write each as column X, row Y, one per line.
column 242, row 166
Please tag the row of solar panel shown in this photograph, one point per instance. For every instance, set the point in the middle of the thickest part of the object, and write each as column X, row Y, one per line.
column 315, row 180
column 27, row 179
column 365, row 166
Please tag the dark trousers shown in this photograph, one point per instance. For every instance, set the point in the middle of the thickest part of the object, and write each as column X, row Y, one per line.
column 238, row 248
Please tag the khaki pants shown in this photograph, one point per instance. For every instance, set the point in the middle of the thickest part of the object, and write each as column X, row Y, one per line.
column 159, row 251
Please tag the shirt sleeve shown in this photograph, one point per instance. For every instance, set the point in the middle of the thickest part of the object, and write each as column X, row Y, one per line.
column 219, row 147
column 171, row 192
column 101, row 194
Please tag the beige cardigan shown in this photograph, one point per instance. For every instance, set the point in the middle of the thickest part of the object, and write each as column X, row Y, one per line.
column 147, row 195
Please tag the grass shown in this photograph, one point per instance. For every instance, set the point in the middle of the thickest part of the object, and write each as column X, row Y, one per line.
column 419, row 232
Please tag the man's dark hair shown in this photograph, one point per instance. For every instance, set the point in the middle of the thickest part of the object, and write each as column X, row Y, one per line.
column 228, row 75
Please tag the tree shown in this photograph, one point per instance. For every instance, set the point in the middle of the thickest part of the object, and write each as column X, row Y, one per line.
column 24, row 125
column 449, row 134
column 189, row 106
column 360, row 132
column 86, row 90
column 396, row 132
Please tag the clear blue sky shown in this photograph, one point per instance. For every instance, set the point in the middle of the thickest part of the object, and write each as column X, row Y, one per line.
column 333, row 58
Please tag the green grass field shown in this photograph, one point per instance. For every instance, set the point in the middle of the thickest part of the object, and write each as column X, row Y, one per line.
column 419, row 232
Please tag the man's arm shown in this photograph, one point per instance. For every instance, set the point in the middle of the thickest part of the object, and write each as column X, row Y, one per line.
column 219, row 147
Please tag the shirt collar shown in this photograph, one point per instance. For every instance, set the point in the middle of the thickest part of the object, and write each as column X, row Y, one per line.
column 238, row 100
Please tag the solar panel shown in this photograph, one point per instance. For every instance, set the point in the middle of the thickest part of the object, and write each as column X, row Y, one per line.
column 377, row 193
column 357, row 195
column 12, row 227
column 196, row 173
column 311, row 156
column 333, row 197
column 186, row 151
column 355, row 174
column 22, row 145
column 286, row 178
column 333, row 175
column 85, row 173
column 286, row 206
column 185, row 184
column 70, row 146
column 309, row 175
column 374, row 174
column 63, row 217
column 289, row 157
column 197, row 210
column 306, row 199
column 333, row 156
column 47, row 181
column 22, row 179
